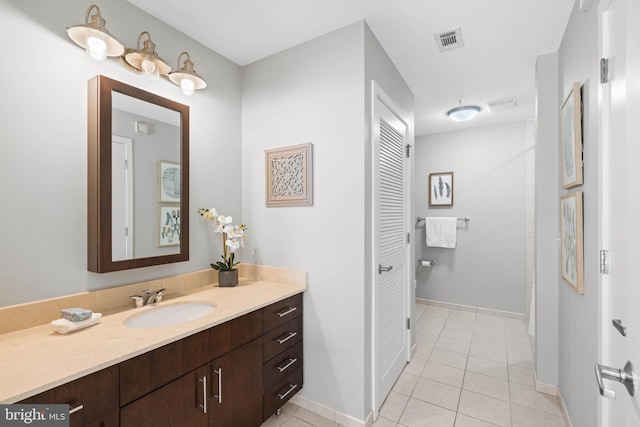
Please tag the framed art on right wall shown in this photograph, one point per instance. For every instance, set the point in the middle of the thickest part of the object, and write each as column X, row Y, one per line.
column 441, row 189
column 571, row 241
column 571, row 138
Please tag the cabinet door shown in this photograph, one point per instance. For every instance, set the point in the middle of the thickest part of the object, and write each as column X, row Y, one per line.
column 182, row 402
column 149, row 371
column 92, row 396
column 236, row 387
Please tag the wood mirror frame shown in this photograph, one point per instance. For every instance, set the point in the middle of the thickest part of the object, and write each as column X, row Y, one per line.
column 99, row 238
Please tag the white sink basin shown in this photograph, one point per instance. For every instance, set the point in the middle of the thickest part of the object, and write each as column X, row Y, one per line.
column 167, row 315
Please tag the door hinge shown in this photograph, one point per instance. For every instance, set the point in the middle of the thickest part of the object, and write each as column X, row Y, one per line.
column 408, row 150
column 408, row 237
column 604, row 70
column 604, row 262
column 408, row 323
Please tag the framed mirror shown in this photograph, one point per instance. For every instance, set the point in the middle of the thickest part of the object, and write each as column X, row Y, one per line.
column 138, row 178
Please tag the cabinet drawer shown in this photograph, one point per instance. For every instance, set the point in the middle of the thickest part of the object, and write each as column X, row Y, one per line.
column 279, row 394
column 281, row 338
column 282, row 365
column 281, row 312
column 96, row 393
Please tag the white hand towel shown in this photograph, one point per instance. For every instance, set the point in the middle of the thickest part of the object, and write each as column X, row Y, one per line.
column 64, row 326
column 441, row 232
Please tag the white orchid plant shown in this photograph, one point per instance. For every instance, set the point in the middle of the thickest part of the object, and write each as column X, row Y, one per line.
column 232, row 237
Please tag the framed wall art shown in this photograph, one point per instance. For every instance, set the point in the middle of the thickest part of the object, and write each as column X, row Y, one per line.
column 441, row 189
column 571, row 245
column 168, row 225
column 169, row 181
column 289, row 176
column 571, row 138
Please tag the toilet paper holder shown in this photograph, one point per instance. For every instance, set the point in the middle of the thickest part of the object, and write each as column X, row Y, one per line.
column 426, row 262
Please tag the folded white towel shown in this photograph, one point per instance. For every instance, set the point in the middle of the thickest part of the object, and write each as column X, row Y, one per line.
column 441, row 232
column 64, row 326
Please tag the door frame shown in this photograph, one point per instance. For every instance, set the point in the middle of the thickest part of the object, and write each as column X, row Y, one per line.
column 377, row 93
column 128, row 147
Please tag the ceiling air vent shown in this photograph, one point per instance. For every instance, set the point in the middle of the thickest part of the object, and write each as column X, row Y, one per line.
column 449, row 40
column 502, row 104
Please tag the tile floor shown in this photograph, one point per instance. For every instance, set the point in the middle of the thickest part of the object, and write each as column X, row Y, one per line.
column 470, row 370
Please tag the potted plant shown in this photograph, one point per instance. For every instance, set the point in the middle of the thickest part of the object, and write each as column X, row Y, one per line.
column 232, row 239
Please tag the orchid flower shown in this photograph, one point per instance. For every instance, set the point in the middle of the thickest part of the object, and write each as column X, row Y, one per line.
column 232, row 237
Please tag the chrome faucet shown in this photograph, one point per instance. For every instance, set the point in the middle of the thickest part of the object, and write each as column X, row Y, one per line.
column 150, row 297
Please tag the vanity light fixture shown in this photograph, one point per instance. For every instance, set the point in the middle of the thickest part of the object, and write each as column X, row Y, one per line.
column 94, row 37
column 186, row 77
column 463, row 112
column 146, row 59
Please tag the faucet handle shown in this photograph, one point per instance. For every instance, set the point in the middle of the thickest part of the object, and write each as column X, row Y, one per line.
column 137, row 299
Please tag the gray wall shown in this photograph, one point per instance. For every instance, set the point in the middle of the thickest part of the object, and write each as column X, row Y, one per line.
column 44, row 144
column 488, row 267
column 379, row 68
column 547, row 216
column 317, row 92
column 578, row 61
column 314, row 93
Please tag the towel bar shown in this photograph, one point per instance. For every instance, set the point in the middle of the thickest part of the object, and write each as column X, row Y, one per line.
column 465, row 219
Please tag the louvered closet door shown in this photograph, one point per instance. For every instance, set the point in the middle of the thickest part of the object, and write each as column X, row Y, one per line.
column 390, row 293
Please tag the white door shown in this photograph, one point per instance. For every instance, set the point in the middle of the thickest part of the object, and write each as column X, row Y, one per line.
column 390, row 311
column 121, row 198
column 620, row 205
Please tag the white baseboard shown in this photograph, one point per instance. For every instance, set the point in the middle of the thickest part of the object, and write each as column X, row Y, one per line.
column 563, row 408
column 543, row 387
column 473, row 309
column 546, row 388
column 554, row 391
column 330, row 413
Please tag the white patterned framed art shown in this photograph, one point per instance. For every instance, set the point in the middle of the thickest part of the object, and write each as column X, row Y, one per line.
column 289, row 176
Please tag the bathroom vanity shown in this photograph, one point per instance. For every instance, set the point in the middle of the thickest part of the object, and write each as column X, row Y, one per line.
column 237, row 371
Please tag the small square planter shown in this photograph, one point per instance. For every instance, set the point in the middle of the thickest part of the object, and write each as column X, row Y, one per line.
column 227, row 279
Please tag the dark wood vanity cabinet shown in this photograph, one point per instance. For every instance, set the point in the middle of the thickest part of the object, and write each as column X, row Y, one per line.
column 207, row 379
column 235, row 374
column 282, row 353
column 92, row 400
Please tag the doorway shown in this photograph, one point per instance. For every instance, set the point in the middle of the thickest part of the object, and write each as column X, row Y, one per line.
column 391, row 278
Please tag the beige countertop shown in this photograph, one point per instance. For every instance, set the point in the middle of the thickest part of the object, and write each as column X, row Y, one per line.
column 36, row 359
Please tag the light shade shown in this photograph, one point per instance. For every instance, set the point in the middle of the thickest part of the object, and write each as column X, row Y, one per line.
column 186, row 77
column 463, row 113
column 146, row 60
column 94, row 37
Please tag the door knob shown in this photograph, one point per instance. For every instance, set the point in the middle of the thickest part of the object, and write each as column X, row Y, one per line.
column 625, row 376
column 382, row 269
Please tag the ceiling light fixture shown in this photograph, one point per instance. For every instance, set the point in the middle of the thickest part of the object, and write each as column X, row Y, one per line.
column 186, row 77
column 463, row 112
column 94, row 37
column 147, row 60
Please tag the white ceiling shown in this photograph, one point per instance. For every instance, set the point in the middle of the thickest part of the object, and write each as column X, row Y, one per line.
column 502, row 39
